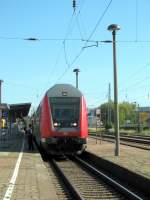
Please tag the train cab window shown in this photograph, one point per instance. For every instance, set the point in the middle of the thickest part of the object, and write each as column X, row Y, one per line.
column 65, row 111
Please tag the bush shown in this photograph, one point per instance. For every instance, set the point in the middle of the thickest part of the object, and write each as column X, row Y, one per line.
column 108, row 126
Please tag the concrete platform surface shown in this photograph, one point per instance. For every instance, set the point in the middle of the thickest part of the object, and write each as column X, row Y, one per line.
column 29, row 178
column 134, row 159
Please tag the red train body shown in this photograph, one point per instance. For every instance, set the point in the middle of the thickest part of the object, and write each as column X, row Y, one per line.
column 61, row 121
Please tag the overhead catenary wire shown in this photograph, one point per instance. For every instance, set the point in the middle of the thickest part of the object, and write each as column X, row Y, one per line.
column 100, row 19
column 78, row 55
column 69, row 39
column 93, row 31
column 98, row 100
column 82, row 39
column 91, row 34
column 66, row 59
column 64, row 42
column 135, row 89
column 138, row 97
column 79, row 27
column 137, row 83
column 67, row 45
column 65, row 53
column 62, row 45
column 138, row 72
column 39, row 39
column 142, row 87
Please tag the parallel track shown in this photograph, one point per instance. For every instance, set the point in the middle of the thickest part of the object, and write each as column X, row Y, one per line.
column 86, row 182
column 125, row 140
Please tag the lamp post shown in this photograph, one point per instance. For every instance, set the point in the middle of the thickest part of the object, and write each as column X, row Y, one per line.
column 113, row 28
column 77, row 72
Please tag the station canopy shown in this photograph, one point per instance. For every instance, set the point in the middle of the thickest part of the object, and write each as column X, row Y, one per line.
column 19, row 110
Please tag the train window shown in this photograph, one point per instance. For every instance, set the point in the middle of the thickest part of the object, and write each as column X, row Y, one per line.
column 65, row 111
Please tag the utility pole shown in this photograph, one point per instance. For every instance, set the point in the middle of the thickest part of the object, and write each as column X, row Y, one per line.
column 113, row 28
column 109, row 109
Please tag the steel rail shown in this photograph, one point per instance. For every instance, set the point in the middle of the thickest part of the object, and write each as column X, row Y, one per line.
column 73, row 190
column 127, row 138
column 110, row 181
column 127, row 143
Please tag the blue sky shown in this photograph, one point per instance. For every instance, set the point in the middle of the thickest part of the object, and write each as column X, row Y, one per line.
column 29, row 68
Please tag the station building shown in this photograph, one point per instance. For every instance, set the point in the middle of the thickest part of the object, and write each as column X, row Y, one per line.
column 13, row 113
column 144, row 116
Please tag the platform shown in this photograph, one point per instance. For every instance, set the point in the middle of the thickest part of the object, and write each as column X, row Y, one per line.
column 23, row 175
column 134, row 159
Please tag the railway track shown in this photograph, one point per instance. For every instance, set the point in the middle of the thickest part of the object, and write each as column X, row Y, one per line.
column 84, row 181
column 91, row 177
column 137, row 141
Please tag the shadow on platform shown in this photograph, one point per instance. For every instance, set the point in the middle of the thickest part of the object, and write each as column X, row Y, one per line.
column 13, row 143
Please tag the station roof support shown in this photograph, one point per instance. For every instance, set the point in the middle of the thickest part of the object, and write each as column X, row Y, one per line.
column 19, row 110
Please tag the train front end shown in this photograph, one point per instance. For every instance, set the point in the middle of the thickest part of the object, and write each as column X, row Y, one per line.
column 68, row 129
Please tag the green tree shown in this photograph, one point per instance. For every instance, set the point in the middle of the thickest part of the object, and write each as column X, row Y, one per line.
column 107, row 109
column 126, row 113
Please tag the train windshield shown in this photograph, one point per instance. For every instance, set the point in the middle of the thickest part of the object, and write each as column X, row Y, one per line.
column 65, row 111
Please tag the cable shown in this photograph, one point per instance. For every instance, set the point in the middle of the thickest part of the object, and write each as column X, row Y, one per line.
column 79, row 28
column 39, row 39
column 62, row 75
column 98, row 22
column 100, row 19
column 139, row 70
column 77, row 19
column 64, row 44
column 132, row 75
column 61, row 48
column 66, row 59
column 65, row 53
column 70, row 39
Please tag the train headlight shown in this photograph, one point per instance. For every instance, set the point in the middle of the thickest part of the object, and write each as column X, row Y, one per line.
column 56, row 124
column 43, row 139
column 74, row 124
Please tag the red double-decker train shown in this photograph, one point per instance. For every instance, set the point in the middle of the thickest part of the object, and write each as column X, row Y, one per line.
column 61, row 125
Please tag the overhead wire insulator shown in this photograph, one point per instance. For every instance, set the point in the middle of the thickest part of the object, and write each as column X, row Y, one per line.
column 74, row 5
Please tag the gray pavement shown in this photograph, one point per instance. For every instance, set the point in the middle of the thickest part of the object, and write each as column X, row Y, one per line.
column 134, row 159
column 33, row 180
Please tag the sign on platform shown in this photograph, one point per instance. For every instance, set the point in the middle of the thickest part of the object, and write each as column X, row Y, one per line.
column 98, row 111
